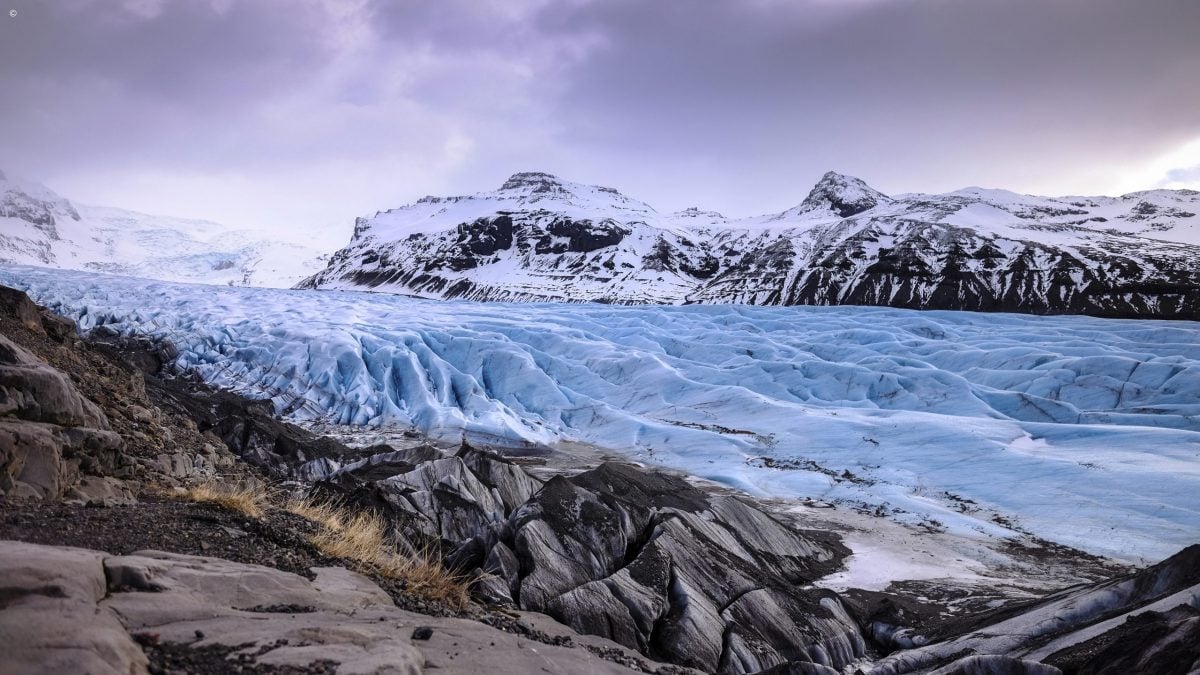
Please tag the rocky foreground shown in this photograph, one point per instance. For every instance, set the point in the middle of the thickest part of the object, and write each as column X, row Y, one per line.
column 106, row 568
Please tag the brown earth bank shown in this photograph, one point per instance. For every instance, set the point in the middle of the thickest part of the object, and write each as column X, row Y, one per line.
column 152, row 524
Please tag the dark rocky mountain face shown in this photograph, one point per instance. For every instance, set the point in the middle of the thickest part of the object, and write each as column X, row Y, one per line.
column 936, row 266
column 844, row 195
column 542, row 239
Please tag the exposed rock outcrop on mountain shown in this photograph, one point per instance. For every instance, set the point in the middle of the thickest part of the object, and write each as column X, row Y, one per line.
column 539, row 238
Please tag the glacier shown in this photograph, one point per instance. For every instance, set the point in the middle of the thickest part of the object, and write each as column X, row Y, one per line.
column 1079, row 430
column 40, row 227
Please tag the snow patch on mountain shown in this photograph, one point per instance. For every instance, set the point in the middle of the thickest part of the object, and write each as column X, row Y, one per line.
column 1081, row 430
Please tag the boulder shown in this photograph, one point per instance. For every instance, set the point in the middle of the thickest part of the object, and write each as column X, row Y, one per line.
column 18, row 305
column 31, row 390
column 59, row 328
column 43, row 460
column 101, row 491
column 199, row 582
column 48, row 430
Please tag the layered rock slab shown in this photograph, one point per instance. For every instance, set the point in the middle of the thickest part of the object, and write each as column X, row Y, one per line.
column 47, row 428
column 51, row 620
column 74, row 610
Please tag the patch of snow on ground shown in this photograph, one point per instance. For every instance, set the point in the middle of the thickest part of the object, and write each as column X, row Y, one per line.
column 876, row 563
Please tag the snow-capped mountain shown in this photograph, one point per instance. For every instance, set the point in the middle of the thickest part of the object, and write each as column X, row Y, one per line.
column 39, row 227
column 541, row 238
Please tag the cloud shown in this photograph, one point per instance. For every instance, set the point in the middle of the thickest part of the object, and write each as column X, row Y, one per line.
column 911, row 95
column 305, row 112
column 1189, row 176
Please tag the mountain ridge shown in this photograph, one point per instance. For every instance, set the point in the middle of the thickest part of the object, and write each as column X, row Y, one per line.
column 541, row 238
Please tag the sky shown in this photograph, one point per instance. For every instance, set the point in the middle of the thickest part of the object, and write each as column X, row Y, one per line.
column 298, row 115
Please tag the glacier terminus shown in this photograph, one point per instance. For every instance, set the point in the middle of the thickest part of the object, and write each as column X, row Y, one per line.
column 1080, row 430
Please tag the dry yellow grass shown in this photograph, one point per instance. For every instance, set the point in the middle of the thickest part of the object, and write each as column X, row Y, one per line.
column 244, row 498
column 362, row 537
column 327, row 514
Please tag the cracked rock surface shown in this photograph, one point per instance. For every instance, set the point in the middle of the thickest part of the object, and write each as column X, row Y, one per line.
column 77, row 610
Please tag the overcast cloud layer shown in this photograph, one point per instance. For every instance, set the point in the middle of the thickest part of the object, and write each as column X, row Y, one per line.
column 301, row 114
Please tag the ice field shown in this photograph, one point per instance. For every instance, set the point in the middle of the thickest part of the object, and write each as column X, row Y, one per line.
column 1083, row 431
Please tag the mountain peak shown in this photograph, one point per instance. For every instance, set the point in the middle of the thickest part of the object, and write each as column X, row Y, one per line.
column 842, row 194
column 536, row 182
column 535, row 186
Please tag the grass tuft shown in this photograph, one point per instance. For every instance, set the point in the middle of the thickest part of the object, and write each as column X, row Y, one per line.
column 243, row 498
column 362, row 536
column 327, row 514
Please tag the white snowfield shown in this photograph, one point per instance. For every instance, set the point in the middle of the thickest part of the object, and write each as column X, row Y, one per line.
column 1080, row 430
column 38, row 227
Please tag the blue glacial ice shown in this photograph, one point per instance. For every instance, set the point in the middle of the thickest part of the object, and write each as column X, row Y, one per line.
column 1079, row 430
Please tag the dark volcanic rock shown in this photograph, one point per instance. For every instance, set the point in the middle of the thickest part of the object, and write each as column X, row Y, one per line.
column 1165, row 643
column 653, row 563
column 995, row 665
column 1069, row 619
column 800, row 668
column 637, row 556
column 249, row 428
column 582, row 236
